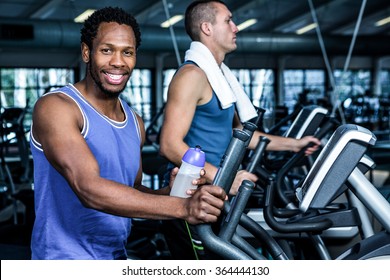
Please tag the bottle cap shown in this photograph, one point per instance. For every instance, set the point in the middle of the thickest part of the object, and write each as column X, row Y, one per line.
column 195, row 156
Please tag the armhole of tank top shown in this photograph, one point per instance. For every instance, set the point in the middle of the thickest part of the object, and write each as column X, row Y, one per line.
column 84, row 130
column 213, row 95
column 133, row 114
column 34, row 142
column 189, row 62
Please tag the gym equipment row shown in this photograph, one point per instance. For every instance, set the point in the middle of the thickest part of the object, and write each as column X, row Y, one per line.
column 308, row 210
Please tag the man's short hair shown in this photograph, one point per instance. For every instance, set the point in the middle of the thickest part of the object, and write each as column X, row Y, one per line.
column 108, row 14
column 198, row 12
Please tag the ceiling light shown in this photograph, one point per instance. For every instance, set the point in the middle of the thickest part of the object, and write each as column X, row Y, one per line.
column 246, row 24
column 82, row 17
column 173, row 20
column 382, row 21
column 306, row 28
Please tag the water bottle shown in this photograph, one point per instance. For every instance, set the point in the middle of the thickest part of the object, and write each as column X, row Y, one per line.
column 192, row 163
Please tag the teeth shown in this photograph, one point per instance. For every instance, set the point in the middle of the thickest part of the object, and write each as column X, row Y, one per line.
column 114, row 77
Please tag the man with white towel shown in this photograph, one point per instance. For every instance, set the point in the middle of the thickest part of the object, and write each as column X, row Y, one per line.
column 205, row 102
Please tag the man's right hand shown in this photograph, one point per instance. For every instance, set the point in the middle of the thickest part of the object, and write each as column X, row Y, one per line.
column 205, row 205
column 241, row 176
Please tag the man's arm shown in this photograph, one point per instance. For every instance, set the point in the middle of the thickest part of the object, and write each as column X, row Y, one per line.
column 280, row 143
column 56, row 125
column 188, row 88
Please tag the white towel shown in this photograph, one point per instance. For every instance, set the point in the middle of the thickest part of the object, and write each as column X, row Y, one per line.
column 222, row 80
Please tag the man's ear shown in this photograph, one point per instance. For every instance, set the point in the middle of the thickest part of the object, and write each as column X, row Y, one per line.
column 205, row 28
column 85, row 52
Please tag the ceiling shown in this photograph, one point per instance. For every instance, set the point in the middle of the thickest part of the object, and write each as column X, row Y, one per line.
column 277, row 21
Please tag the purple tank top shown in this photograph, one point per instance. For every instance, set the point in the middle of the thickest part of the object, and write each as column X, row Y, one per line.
column 64, row 228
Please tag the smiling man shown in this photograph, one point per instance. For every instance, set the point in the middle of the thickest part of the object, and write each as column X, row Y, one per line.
column 86, row 146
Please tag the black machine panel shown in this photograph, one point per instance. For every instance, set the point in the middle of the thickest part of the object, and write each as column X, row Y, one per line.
column 307, row 122
column 333, row 166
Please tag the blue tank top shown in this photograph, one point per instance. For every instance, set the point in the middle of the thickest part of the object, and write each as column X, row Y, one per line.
column 64, row 228
column 211, row 128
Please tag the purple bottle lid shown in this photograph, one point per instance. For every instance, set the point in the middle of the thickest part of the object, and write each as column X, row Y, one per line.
column 195, row 156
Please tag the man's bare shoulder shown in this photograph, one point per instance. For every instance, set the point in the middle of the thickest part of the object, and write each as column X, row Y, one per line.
column 190, row 83
column 56, row 107
column 54, row 100
column 190, row 76
column 191, row 70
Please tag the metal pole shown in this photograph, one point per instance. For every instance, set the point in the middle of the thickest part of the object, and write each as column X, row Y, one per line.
column 322, row 46
column 334, row 99
column 172, row 33
column 355, row 32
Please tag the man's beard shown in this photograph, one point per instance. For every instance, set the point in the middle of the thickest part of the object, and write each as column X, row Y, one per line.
column 107, row 92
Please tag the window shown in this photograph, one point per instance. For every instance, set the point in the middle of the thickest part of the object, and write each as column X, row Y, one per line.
column 138, row 93
column 303, row 87
column 21, row 87
column 384, row 108
column 167, row 78
column 257, row 83
column 351, row 83
column 384, row 81
column 259, row 86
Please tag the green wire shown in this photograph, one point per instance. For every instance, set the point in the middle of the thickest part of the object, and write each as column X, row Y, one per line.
column 194, row 246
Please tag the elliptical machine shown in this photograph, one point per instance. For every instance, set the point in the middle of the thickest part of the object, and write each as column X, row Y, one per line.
column 336, row 164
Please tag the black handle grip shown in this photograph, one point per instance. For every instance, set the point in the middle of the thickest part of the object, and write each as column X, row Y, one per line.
column 292, row 227
column 258, row 154
column 231, row 160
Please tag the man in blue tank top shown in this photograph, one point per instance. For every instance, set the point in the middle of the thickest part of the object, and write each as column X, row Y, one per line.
column 86, row 145
column 198, row 112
